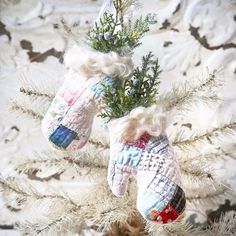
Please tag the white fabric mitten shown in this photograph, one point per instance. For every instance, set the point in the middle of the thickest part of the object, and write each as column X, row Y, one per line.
column 68, row 122
column 151, row 159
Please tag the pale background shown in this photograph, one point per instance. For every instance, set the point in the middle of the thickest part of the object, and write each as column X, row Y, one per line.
column 191, row 39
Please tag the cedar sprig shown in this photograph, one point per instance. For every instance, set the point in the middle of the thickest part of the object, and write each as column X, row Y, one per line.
column 112, row 35
column 139, row 90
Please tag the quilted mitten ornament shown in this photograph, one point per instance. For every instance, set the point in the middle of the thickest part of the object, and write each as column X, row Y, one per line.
column 68, row 122
column 139, row 146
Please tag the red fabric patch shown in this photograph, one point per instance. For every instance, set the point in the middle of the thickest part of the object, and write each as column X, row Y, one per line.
column 168, row 215
column 141, row 142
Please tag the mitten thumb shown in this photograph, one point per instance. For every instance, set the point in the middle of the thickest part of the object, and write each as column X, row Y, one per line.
column 118, row 178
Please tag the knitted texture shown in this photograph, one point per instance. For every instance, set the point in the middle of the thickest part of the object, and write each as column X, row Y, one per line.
column 160, row 196
column 68, row 122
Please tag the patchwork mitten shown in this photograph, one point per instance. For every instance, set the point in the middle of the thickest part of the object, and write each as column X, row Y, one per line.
column 160, row 196
column 68, row 122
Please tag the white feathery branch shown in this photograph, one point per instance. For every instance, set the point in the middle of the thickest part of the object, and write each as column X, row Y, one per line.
column 98, row 144
column 226, row 225
column 223, row 130
column 26, row 111
column 40, row 87
column 12, row 185
column 183, row 95
column 218, row 154
column 58, row 225
column 177, row 228
column 200, row 185
column 35, row 93
column 109, row 209
column 50, row 167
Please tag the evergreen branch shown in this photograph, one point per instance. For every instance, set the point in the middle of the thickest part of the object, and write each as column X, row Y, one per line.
column 141, row 90
column 122, row 6
column 119, row 4
column 106, row 36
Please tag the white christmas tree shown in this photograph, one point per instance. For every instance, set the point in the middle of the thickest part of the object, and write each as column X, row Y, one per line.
column 63, row 193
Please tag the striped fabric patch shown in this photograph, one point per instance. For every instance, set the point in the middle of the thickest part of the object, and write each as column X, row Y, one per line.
column 163, row 201
column 178, row 200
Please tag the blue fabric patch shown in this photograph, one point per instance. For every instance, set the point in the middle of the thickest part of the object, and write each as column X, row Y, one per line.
column 62, row 136
column 130, row 156
column 98, row 88
column 151, row 200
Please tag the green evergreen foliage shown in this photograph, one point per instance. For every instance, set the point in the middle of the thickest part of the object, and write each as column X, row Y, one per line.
column 139, row 90
column 110, row 34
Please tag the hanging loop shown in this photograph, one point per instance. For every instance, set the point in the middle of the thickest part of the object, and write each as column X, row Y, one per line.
column 107, row 6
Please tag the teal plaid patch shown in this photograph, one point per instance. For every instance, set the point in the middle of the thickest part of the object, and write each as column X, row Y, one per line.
column 98, row 88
